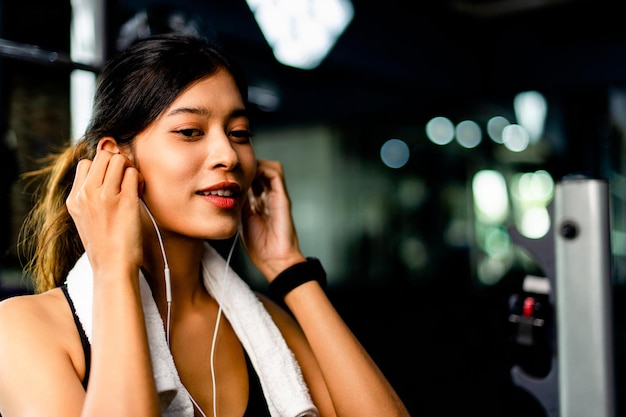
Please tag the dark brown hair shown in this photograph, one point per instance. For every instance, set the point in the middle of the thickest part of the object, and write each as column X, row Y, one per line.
column 134, row 88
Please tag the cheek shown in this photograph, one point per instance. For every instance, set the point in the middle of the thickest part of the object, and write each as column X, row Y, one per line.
column 249, row 165
column 167, row 170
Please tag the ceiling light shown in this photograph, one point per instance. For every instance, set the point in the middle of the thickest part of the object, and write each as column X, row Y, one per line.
column 301, row 32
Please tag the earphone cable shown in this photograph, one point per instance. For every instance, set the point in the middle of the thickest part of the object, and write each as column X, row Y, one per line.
column 168, row 290
column 166, row 272
column 217, row 323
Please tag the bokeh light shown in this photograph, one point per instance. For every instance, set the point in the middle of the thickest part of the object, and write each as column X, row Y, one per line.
column 468, row 134
column 395, row 153
column 495, row 126
column 440, row 130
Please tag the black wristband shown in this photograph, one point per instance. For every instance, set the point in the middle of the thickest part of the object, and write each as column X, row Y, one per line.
column 296, row 275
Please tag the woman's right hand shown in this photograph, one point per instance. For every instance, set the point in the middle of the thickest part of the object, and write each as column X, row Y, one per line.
column 104, row 203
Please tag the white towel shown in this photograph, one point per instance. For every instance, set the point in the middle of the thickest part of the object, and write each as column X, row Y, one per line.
column 283, row 386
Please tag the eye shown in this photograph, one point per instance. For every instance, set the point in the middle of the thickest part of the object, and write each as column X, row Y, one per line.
column 241, row 135
column 189, row 133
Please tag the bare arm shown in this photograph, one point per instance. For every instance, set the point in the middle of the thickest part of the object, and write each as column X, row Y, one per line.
column 353, row 381
column 105, row 205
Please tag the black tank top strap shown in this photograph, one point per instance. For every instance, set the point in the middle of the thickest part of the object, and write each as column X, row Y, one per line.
column 83, row 336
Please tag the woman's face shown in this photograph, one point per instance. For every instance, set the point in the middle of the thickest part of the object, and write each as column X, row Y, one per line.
column 197, row 160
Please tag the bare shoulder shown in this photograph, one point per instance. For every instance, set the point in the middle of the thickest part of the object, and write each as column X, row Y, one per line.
column 32, row 319
column 38, row 325
column 40, row 351
column 26, row 313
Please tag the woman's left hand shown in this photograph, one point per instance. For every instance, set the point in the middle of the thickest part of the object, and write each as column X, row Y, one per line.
column 268, row 230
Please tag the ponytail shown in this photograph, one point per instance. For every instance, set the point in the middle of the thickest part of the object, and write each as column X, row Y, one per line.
column 49, row 241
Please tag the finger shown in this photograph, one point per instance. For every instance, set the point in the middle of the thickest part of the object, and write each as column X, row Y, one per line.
column 82, row 169
column 115, row 174
column 259, row 184
column 254, row 205
column 271, row 168
column 266, row 171
column 97, row 169
column 270, row 176
column 131, row 182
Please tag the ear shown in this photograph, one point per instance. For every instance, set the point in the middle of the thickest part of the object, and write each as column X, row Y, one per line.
column 108, row 144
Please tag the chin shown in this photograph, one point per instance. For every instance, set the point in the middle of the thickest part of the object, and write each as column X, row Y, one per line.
column 223, row 233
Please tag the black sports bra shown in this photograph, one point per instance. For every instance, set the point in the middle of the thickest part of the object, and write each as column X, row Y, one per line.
column 257, row 406
column 83, row 336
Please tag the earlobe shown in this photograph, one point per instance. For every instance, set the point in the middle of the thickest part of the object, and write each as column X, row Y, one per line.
column 108, row 144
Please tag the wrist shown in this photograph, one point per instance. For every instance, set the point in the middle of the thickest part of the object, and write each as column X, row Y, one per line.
column 273, row 268
column 296, row 275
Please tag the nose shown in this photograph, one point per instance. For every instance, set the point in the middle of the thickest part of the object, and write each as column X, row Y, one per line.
column 221, row 153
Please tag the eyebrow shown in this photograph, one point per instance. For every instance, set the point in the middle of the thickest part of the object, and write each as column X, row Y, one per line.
column 202, row 111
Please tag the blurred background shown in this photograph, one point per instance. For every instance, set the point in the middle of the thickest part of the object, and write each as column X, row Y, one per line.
column 417, row 139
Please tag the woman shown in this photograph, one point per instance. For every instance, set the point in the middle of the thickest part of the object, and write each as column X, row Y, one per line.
column 120, row 249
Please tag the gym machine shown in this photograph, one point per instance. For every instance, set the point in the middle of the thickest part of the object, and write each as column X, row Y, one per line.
column 576, row 325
